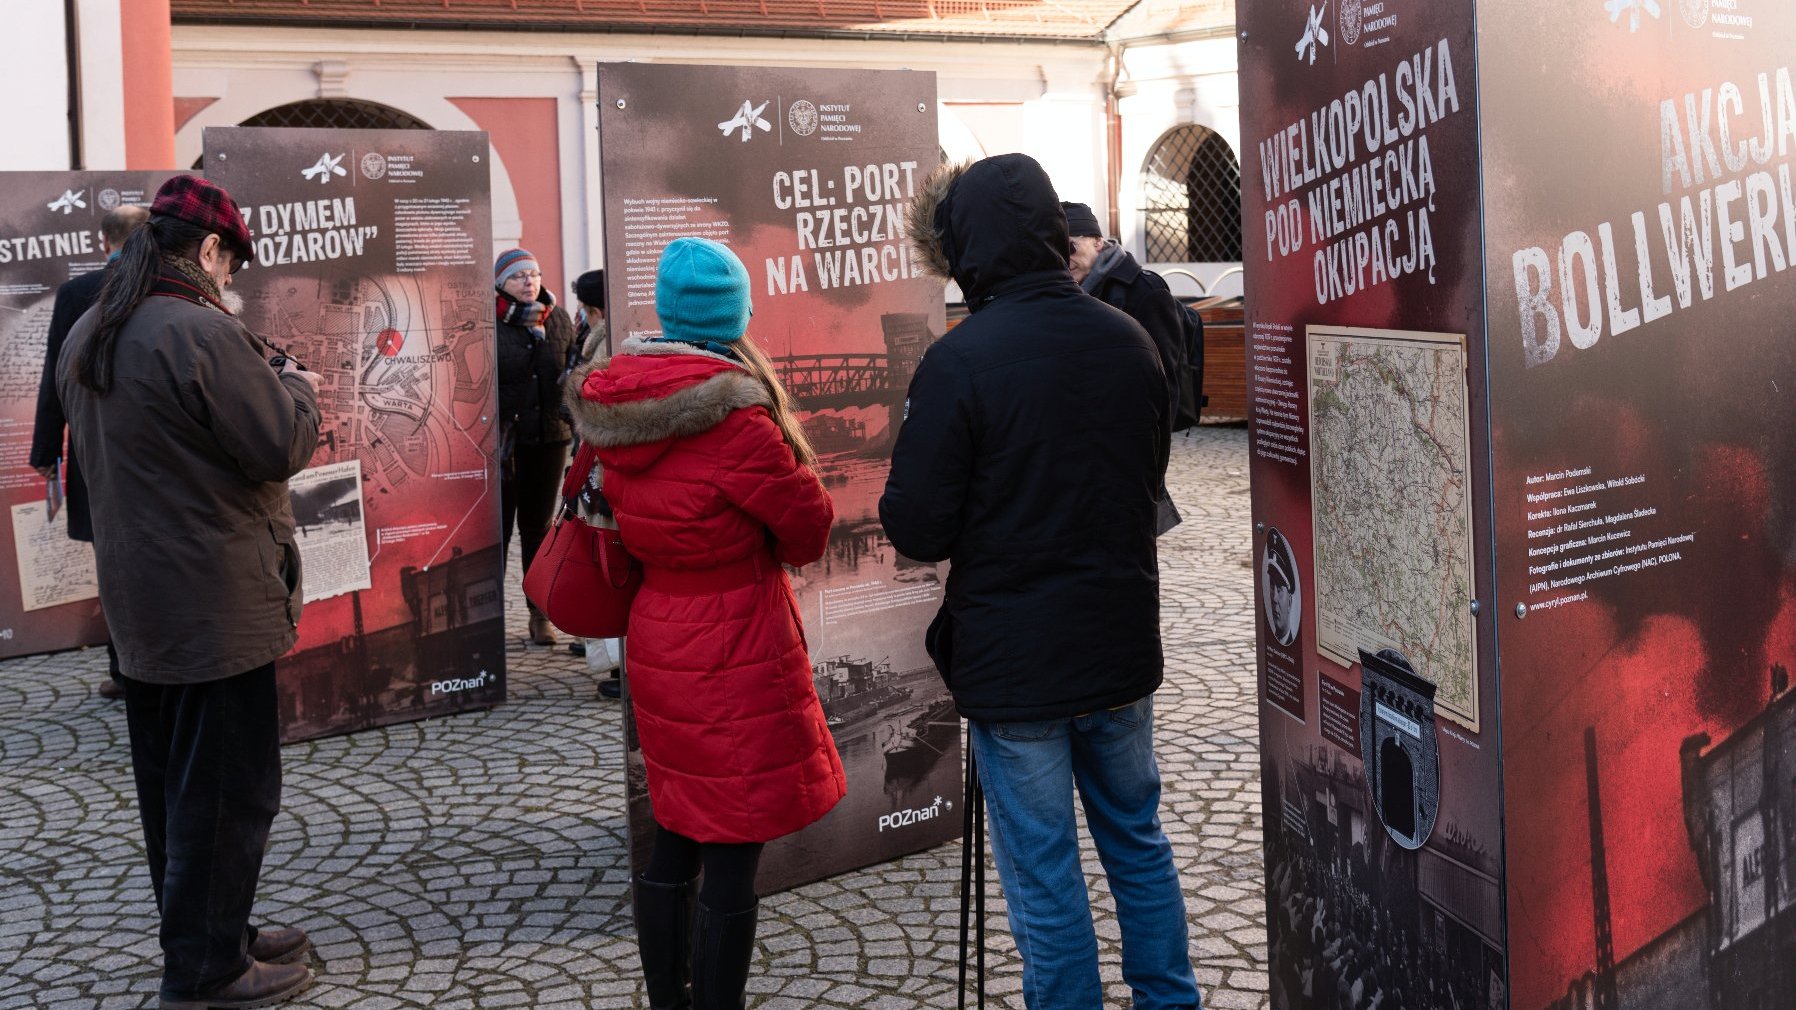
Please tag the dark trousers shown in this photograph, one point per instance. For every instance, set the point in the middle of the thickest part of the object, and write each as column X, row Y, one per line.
column 207, row 759
column 528, row 492
column 729, row 868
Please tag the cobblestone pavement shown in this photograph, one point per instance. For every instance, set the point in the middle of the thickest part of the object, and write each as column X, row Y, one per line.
column 479, row 860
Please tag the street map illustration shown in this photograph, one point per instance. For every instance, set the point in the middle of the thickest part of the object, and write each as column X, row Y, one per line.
column 388, row 366
column 1391, row 491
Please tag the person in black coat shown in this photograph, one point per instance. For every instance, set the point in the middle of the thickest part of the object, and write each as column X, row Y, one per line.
column 534, row 337
column 73, row 299
column 1107, row 271
column 1034, row 440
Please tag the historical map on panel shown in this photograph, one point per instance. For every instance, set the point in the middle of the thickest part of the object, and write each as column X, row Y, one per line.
column 403, row 392
column 1391, row 498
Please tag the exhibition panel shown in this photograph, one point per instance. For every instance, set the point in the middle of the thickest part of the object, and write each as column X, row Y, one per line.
column 1519, row 306
column 372, row 269
column 49, row 235
column 806, row 175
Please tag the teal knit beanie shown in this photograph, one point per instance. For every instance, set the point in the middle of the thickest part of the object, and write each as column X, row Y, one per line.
column 701, row 293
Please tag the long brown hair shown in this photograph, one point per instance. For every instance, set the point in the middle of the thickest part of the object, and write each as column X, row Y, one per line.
column 761, row 368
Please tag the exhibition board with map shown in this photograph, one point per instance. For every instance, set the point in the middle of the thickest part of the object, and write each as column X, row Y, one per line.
column 373, row 269
column 1369, row 457
column 1519, row 307
column 49, row 235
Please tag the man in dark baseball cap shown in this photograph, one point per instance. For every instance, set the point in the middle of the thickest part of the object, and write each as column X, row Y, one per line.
column 188, row 437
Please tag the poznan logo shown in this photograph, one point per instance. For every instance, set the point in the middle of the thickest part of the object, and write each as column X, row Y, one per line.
column 802, row 117
column 1632, row 9
column 746, row 119
column 1695, row 12
column 455, row 685
column 374, row 166
column 326, row 166
column 1353, row 15
column 915, row 815
column 1314, row 34
column 68, row 201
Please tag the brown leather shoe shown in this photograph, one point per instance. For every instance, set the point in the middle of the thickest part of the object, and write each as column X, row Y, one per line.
column 541, row 631
column 261, row 986
column 111, row 689
column 280, row 945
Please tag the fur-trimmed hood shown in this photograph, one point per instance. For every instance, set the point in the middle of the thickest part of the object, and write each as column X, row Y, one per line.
column 985, row 223
column 653, row 398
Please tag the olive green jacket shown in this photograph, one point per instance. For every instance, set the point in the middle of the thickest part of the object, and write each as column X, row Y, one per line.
column 187, row 459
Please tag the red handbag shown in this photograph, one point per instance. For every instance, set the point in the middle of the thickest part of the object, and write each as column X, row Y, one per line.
column 582, row 579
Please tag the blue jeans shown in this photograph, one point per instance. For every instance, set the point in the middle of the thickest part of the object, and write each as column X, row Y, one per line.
column 1028, row 770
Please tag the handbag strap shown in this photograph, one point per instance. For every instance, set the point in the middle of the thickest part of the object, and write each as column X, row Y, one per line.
column 578, row 473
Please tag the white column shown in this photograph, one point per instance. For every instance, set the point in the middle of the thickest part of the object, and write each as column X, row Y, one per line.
column 1064, row 130
column 34, row 76
column 590, row 193
column 102, row 85
column 575, row 150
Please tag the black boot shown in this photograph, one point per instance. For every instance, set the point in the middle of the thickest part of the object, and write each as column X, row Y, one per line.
column 664, row 939
column 722, row 947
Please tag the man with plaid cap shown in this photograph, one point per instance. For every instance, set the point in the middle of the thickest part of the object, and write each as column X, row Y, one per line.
column 188, row 437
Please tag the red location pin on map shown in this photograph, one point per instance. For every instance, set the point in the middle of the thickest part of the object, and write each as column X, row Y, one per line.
column 389, row 342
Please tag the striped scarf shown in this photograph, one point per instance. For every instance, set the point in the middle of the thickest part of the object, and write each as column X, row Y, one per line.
column 529, row 315
column 182, row 278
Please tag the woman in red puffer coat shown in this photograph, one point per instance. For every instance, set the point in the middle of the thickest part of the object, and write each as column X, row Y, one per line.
column 708, row 474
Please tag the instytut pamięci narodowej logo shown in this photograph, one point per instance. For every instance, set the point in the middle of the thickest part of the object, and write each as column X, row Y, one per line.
column 1695, row 12
column 374, row 166
column 326, row 166
column 68, row 201
column 1315, row 35
column 746, row 119
column 801, row 116
column 1353, row 16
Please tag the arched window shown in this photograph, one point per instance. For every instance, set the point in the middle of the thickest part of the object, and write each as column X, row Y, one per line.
column 332, row 114
column 1191, row 191
column 337, row 114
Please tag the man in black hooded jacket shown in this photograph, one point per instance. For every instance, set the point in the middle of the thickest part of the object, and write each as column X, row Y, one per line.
column 1034, row 441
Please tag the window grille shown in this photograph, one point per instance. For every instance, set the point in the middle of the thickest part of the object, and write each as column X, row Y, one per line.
column 336, row 114
column 1192, row 195
column 331, row 114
